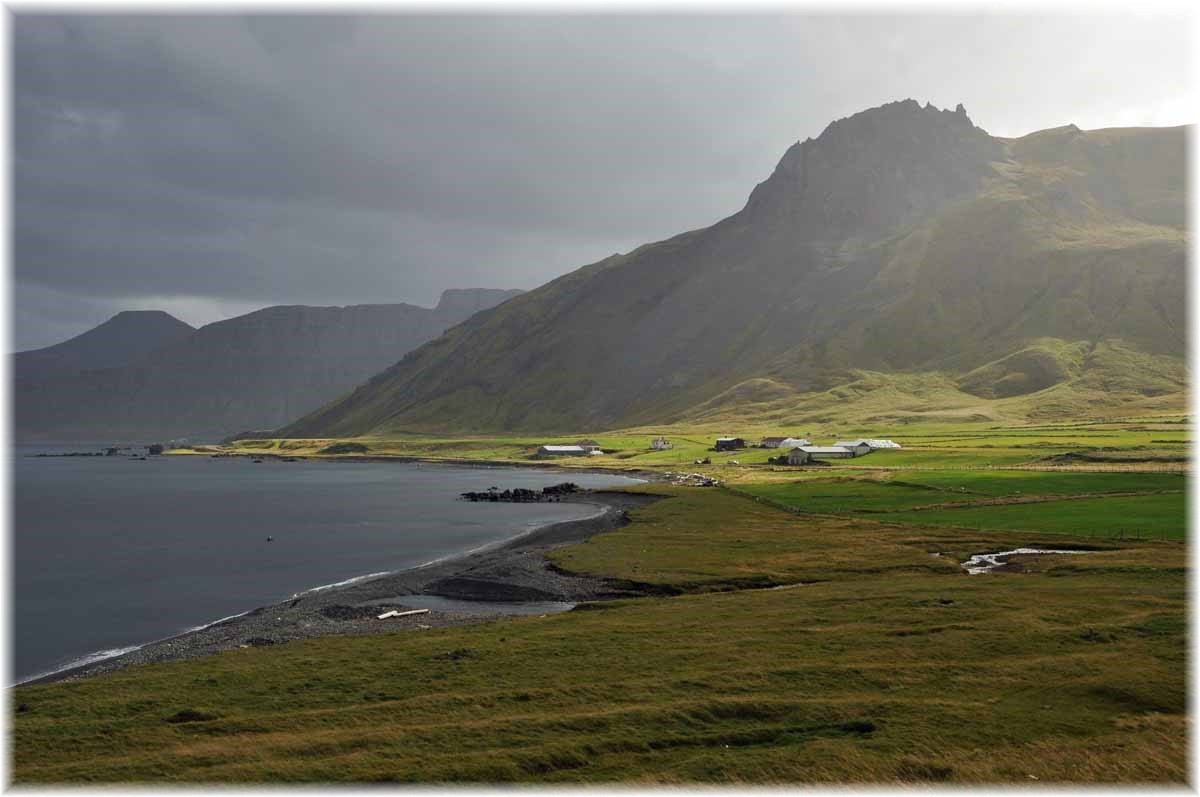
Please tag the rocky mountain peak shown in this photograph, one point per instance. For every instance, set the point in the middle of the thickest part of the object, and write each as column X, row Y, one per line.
column 874, row 170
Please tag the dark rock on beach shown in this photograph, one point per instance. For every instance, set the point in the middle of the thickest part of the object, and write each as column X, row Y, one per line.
column 521, row 495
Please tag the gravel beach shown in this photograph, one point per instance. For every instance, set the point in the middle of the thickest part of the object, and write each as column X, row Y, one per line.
column 514, row 572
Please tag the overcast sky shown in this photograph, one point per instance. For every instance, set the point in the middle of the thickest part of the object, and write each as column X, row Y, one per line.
column 209, row 166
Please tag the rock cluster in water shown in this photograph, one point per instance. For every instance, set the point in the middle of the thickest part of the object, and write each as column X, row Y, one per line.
column 521, row 495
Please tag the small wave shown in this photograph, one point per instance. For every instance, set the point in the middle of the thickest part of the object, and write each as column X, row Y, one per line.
column 82, row 661
column 210, row 625
column 530, row 528
column 112, row 653
column 324, row 587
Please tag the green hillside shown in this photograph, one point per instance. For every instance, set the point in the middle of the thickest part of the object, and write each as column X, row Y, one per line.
column 903, row 250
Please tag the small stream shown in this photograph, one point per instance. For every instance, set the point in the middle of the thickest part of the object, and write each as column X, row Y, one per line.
column 987, row 562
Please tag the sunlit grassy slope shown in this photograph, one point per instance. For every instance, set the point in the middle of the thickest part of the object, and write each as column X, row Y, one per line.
column 884, row 663
column 1052, row 287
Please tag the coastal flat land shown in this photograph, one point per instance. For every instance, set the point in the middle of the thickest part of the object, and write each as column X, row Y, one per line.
column 803, row 625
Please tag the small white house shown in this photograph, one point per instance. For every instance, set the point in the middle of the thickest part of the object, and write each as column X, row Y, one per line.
column 660, row 444
column 588, row 445
column 545, row 452
column 794, row 442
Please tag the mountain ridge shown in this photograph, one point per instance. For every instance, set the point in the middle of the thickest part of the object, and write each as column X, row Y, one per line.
column 902, row 239
column 118, row 341
column 255, row 371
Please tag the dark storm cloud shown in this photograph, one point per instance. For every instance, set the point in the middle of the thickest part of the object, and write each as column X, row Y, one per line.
column 212, row 164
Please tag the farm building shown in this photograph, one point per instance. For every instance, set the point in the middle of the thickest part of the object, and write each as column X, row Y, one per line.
column 588, row 445
column 859, row 447
column 729, row 443
column 545, row 452
column 660, row 444
column 826, row 452
column 784, row 442
column 882, row 443
column 798, row 456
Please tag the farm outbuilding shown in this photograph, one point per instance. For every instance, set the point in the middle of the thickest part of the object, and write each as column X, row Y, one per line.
column 859, row 447
column 798, row 456
column 588, row 445
column 660, row 444
column 826, row 452
column 784, row 442
column 546, row 452
column 729, row 443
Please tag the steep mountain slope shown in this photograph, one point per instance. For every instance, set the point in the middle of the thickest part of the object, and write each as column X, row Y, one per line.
column 256, row 371
column 902, row 239
column 118, row 341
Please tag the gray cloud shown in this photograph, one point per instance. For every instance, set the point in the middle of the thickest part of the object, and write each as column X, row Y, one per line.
column 217, row 163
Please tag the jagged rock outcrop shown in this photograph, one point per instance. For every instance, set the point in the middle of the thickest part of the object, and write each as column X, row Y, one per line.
column 873, row 171
column 256, row 371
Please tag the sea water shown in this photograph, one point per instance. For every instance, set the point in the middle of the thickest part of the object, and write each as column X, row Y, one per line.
column 112, row 552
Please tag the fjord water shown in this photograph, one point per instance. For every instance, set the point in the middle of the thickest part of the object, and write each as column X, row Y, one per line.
column 112, row 552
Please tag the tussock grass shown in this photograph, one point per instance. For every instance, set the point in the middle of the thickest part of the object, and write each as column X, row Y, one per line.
column 891, row 666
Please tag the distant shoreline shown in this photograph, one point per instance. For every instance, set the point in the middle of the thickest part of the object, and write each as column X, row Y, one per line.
column 547, row 464
column 513, row 570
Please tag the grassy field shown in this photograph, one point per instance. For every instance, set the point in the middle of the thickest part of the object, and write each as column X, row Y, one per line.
column 814, row 626
column 1156, row 443
column 1009, row 483
column 1158, row 516
column 879, row 660
column 1079, row 503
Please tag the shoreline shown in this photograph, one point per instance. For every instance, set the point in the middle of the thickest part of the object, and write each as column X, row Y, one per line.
column 546, row 464
column 511, row 571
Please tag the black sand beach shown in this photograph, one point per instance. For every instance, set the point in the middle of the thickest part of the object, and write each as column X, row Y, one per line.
column 514, row 572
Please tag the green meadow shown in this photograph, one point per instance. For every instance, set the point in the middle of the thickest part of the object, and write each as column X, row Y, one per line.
column 876, row 660
column 1160, row 516
column 810, row 625
column 1079, row 503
